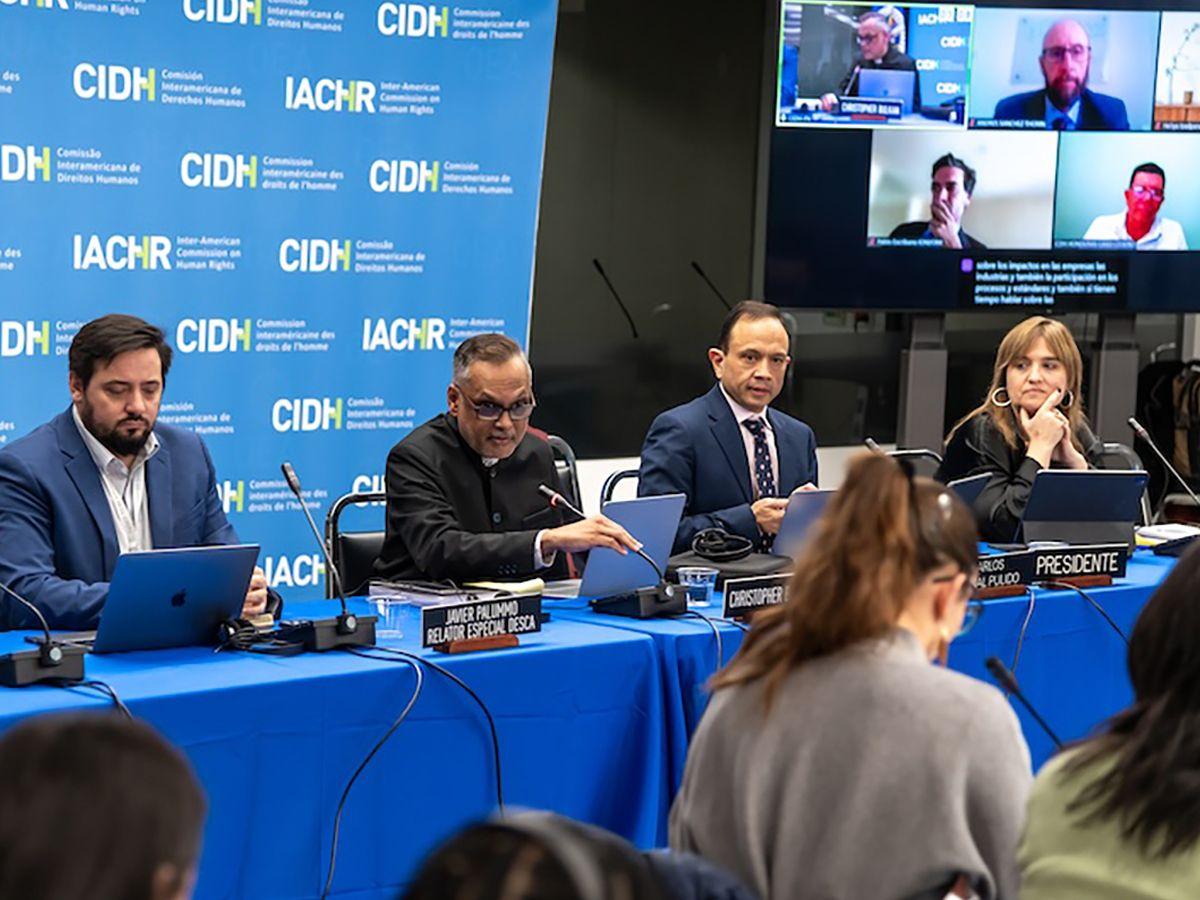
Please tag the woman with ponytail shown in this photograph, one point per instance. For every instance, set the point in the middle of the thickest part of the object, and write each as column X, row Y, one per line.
column 1118, row 816
column 1031, row 419
column 834, row 761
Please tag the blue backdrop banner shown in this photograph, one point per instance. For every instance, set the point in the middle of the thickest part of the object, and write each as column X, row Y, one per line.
column 317, row 200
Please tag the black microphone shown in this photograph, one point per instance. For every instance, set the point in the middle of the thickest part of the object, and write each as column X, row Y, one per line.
column 662, row 599
column 1007, row 680
column 52, row 659
column 347, row 630
column 1141, row 432
column 612, row 290
column 699, row 271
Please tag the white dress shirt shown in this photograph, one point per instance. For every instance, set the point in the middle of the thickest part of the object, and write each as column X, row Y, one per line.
column 124, row 488
column 1164, row 234
column 741, row 414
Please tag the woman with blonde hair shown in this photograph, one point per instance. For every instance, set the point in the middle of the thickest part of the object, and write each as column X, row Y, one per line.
column 1031, row 419
column 834, row 761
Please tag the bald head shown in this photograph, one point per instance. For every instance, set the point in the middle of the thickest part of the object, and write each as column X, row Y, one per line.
column 1066, row 60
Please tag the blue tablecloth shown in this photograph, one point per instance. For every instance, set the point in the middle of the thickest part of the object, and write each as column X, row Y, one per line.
column 274, row 740
column 1072, row 665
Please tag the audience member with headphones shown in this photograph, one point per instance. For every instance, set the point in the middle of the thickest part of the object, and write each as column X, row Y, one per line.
column 833, row 759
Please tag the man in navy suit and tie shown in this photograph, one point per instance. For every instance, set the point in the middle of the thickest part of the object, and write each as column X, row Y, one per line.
column 101, row 479
column 1066, row 103
column 736, row 459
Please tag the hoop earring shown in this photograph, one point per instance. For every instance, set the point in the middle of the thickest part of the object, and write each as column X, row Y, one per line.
column 1007, row 399
column 1067, row 400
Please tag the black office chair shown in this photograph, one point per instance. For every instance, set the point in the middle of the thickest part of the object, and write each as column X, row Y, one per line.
column 610, row 483
column 566, row 469
column 1122, row 457
column 353, row 553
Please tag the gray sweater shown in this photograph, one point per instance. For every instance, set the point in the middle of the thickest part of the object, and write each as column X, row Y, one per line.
column 876, row 775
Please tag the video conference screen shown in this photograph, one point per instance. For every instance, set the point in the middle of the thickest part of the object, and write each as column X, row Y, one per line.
column 943, row 156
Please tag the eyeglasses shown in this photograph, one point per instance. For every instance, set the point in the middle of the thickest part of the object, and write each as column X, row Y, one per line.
column 1141, row 191
column 974, row 607
column 868, row 38
column 486, row 409
column 1058, row 54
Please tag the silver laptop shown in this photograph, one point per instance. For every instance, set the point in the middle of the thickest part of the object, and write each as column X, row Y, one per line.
column 803, row 509
column 173, row 598
column 887, row 84
column 651, row 520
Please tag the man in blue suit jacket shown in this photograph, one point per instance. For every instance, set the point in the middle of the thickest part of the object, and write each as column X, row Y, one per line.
column 1066, row 103
column 736, row 459
column 101, row 479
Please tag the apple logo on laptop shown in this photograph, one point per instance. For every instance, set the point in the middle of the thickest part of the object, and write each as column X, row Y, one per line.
column 179, row 597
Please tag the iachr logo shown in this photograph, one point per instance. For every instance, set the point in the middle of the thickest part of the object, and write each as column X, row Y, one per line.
column 24, row 338
column 412, row 20
column 404, row 334
column 213, row 336
column 233, row 496
column 223, row 12
column 404, row 176
column 24, row 163
column 314, row 255
column 104, row 81
column 218, row 170
column 305, row 570
column 329, row 95
column 122, row 251
column 39, row 4
column 307, row 414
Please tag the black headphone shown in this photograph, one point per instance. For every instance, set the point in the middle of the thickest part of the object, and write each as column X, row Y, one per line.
column 718, row 545
column 241, row 634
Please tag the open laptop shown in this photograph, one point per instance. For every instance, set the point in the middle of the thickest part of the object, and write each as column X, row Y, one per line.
column 969, row 488
column 887, row 84
column 651, row 520
column 803, row 509
column 173, row 598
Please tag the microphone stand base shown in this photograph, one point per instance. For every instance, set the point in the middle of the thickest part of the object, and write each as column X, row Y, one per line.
column 320, row 635
column 25, row 667
column 645, row 603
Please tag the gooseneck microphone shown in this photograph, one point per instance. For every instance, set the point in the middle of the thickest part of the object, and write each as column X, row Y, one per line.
column 1007, row 680
column 661, row 600
column 347, row 630
column 52, row 660
column 612, row 290
column 914, row 453
column 1141, row 432
column 699, row 271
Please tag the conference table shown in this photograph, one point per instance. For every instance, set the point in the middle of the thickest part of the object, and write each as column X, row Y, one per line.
column 593, row 715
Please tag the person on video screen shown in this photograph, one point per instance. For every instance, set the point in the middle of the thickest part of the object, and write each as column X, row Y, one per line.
column 951, row 189
column 875, row 51
column 1140, row 222
column 1066, row 103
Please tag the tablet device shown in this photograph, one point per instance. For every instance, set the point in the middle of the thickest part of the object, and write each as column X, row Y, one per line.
column 651, row 520
column 803, row 509
column 969, row 488
column 1093, row 506
column 174, row 598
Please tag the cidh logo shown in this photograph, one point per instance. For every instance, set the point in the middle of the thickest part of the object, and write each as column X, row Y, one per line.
column 24, row 338
column 404, row 176
column 24, row 163
column 412, row 20
column 329, row 95
column 233, row 496
column 314, row 255
column 305, row 570
column 404, row 334
column 218, row 170
column 224, row 12
column 307, row 414
column 104, row 81
column 213, row 336
column 122, row 251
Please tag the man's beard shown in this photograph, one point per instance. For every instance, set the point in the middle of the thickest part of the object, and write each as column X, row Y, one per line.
column 1062, row 96
column 116, row 443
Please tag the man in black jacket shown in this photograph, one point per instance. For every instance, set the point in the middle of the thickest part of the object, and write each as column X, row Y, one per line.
column 875, row 51
column 462, row 490
column 952, row 186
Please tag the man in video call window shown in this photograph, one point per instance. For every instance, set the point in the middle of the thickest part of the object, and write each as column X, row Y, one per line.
column 1066, row 103
column 951, row 189
column 876, row 51
column 1140, row 222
